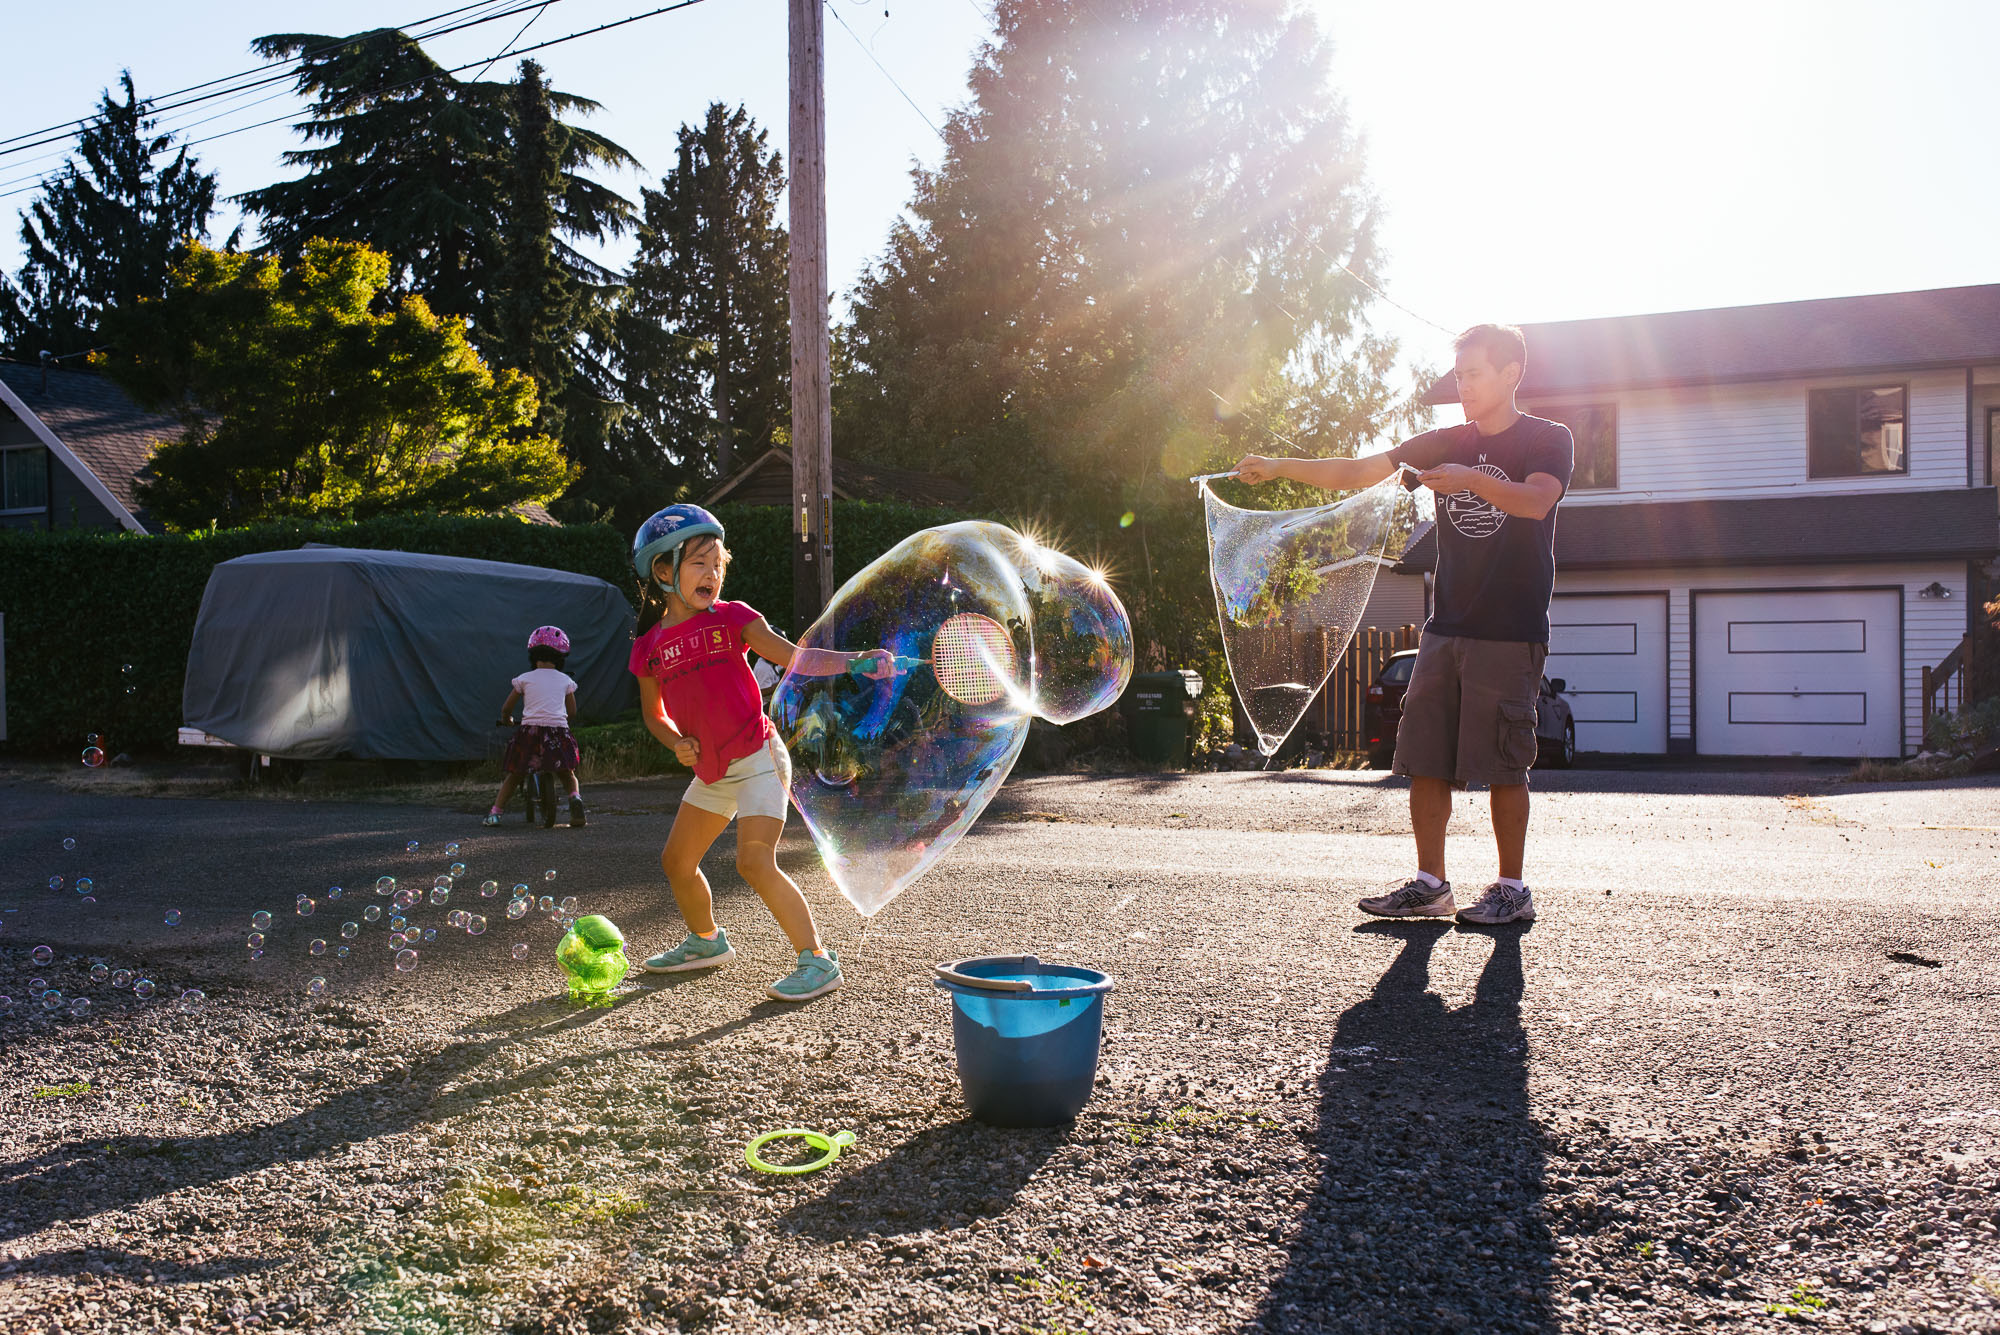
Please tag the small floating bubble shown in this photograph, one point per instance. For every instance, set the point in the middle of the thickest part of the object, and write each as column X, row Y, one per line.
column 333, row 894
column 52, row 1000
column 84, row 885
column 568, row 904
column 406, row 960
column 191, row 999
column 488, row 889
column 520, row 950
column 143, row 988
column 451, row 850
column 517, row 908
column 549, row 875
column 475, row 923
column 121, row 978
column 350, row 930
column 260, row 920
column 37, row 986
column 340, row 952
column 79, row 1006
column 318, row 947
column 316, row 986
column 173, row 917
column 545, row 903
column 306, row 906
column 55, row 882
column 455, row 918
column 373, row 913
column 256, row 941
column 521, row 890
column 385, row 885
column 42, row 954
column 99, row 972
column 397, row 922
column 410, row 847
column 405, row 898
column 430, row 933
column 457, row 869
column 69, row 844
column 440, row 894
column 444, row 879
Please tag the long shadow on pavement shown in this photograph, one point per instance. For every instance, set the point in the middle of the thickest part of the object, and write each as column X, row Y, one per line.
column 1427, row 1215
column 936, row 1179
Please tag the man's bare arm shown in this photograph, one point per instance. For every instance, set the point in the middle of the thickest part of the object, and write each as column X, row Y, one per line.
column 1329, row 474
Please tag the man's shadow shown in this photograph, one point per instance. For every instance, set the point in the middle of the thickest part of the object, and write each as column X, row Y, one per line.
column 1428, row 1212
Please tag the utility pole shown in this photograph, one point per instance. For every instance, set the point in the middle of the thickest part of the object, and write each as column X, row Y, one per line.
column 812, row 390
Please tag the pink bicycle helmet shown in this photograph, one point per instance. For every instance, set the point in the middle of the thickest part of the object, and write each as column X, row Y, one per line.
column 548, row 637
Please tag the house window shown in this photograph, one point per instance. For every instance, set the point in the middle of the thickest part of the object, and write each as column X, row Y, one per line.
column 1594, row 427
column 24, row 480
column 1857, row 432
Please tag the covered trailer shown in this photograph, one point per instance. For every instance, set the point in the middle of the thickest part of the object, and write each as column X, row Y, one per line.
column 331, row 652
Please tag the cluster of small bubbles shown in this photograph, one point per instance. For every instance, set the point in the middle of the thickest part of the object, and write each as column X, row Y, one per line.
column 318, row 947
column 475, row 923
column 99, row 972
column 457, row 869
column 260, row 920
column 406, row 960
column 173, row 917
column 256, row 941
column 517, row 908
column 385, row 885
column 520, row 950
column 549, row 875
column 430, row 933
column 455, row 918
column 143, row 988
column 84, row 885
column 545, row 903
column 488, row 889
column 306, row 906
column 69, row 844
column 373, row 913
column 350, row 930
column 55, row 882
column 191, row 999
column 316, row 986
column 42, row 954
column 333, row 894
column 410, row 847
column 79, row 1006
column 121, row 978
column 440, row 894
column 451, row 850
column 52, row 1000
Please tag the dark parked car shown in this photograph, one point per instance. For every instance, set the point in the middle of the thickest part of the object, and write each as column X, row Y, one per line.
column 1555, row 729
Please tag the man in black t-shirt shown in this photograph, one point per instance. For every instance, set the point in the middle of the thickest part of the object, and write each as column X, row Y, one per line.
column 1469, row 712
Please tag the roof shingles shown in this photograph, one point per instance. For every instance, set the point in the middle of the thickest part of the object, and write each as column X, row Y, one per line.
column 113, row 436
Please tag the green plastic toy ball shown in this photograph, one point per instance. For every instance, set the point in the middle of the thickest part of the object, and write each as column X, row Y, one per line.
column 592, row 955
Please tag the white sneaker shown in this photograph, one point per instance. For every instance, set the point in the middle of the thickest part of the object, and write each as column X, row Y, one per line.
column 1499, row 904
column 1415, row 898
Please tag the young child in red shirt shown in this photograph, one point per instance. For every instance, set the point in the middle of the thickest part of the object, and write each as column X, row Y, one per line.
column 698, row 695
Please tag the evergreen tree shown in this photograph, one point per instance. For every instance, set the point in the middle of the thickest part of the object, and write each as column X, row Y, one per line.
column 104, row 232
column 534, row 310
column 1123, row 270
column 405, row 158
column 703, row 333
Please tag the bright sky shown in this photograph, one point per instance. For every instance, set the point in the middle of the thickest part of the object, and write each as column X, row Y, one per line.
column 1538, row 160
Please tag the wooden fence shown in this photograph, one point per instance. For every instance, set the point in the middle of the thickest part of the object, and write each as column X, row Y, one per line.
column 1336, row 715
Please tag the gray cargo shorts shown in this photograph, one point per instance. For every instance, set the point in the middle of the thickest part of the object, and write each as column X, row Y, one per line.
column 1469, row 713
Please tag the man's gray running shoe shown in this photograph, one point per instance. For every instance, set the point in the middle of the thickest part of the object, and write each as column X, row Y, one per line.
column 1500, row 904
column 1415, row 898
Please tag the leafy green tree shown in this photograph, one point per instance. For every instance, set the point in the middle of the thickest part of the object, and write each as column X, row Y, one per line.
column 703, row 332
column 104, row 231
column 1127, row 268
column 305, row 389
column 534, row 306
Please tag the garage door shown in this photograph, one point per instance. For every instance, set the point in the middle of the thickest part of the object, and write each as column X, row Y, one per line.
column 1798, row 674
column 1611, row 652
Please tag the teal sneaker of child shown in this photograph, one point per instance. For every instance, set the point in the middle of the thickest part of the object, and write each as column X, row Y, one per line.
column 693, row 953
column 816, row 976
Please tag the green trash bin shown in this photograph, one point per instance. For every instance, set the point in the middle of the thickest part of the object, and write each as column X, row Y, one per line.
column 1159, row 711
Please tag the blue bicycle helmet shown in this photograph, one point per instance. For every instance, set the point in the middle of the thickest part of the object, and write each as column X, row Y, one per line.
column 663, row 535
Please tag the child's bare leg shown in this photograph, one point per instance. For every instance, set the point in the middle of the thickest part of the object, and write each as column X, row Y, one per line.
column 757, row 860
column 508, row 783
column 568, row 777
column 694, row 831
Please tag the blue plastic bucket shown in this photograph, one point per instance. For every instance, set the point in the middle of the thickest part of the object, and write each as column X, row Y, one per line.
column 1027, row 1035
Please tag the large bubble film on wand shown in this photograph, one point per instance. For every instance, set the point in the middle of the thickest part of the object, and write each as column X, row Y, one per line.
column 1290, row 590
column 888, row 773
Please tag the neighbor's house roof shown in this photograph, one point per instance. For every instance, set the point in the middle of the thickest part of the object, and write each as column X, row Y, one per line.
column 767, row 480
column 88, row 423
column 1766, row 530
column 1890, row 331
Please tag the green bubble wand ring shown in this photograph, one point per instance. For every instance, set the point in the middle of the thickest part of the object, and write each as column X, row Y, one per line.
column 828, row 1146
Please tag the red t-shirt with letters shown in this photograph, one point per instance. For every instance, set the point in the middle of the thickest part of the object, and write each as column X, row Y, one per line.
column 706, row 684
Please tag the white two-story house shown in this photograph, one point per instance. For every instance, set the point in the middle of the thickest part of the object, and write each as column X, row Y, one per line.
column 1780, row 517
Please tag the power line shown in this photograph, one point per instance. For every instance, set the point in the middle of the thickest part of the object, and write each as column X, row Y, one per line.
column 408, row 83
column 262, row 77
column 834, row 10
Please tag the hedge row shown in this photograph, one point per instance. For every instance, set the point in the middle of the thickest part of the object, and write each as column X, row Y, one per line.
column 98, row 625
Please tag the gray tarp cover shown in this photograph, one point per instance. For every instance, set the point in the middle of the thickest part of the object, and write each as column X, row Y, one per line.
column 329, row 651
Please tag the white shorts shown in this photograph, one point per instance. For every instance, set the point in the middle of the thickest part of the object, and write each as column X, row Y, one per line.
column 759, row 784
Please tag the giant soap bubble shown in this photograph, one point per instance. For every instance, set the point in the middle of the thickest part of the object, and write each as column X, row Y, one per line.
column 990, row 629
column 1290, row 589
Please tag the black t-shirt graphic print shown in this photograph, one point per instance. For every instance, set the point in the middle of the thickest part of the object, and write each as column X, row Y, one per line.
column 1495, row 571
